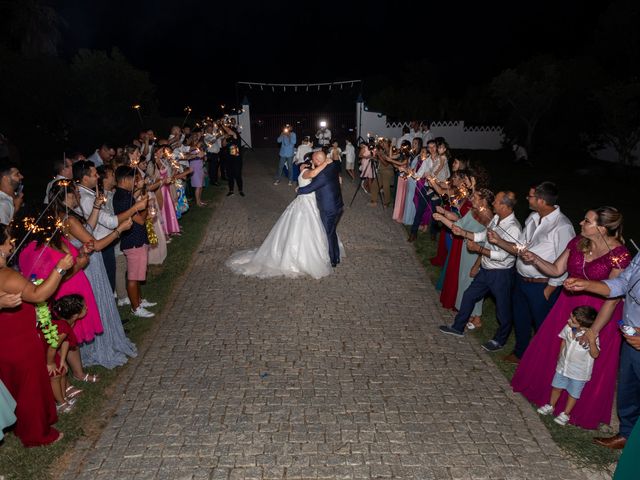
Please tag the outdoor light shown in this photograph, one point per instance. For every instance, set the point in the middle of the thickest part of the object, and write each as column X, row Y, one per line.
column 136, row 107
column 323, row 124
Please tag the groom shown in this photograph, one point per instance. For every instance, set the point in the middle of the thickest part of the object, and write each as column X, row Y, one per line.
column 329, row 198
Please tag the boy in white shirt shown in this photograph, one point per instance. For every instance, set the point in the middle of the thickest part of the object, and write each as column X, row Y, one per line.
column 575, row 362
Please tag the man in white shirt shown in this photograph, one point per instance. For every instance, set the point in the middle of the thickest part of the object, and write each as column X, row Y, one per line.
column 10, row 197
column 324, row 136
column 85, row 175
column 426, row 133
column 61, row 171
column 406, row 135
column 547, row 231
column 213, row 143
column 102, row 155
column 496, row 271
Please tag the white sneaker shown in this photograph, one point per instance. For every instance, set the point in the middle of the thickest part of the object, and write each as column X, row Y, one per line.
column 276, row 182
column 290, row 183
column 562, row 419
column 146, row 303
column 545, row 409
column 124, row 301
column 142, row 312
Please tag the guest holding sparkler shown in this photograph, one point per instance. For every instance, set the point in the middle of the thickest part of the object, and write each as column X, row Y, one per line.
column 163, row 157
column 463, row 265
column 135, row 242
column 596, row 254
column 421, row 198
column 22, row 367
column 86, row 177
column 459, row 204
column 48, row 244
column 418, row 155
column 196, row 163
column 402, row 181
column 112, row 348
column 547, row 232
column 496, row 271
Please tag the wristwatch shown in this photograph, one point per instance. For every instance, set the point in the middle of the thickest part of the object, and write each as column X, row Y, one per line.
column 61, row 271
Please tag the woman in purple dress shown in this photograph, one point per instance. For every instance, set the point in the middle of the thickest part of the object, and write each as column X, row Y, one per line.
column 596, row 254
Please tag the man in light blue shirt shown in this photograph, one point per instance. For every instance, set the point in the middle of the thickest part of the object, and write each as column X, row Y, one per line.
column 626, row 284
column 287, row 141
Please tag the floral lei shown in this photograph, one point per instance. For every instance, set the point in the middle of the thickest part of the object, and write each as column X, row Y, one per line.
column 43, row 315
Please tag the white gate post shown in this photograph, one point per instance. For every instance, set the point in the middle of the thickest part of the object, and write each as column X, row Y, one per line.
column 244, row 122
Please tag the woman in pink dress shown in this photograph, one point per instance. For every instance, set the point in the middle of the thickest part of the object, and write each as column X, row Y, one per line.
column 40, row 256
column 22, row 360
column 168, row 208
column 596, row 254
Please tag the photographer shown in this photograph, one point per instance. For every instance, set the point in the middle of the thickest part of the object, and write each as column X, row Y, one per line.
column 287, row 141
column 213, row 144
column 387, row 159
column 323, row 135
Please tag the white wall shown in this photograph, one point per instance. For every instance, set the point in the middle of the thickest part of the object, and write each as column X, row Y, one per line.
column 456, row 134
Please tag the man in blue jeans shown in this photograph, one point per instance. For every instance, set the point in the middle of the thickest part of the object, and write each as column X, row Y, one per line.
column 627, row 284
column 547, row 231
column 496, row 271
column 287, row 141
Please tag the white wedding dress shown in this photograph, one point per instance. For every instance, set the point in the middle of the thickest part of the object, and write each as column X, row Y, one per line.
column 296, row 245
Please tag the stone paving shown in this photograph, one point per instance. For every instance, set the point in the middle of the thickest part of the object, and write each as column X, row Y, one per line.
column 345, row 377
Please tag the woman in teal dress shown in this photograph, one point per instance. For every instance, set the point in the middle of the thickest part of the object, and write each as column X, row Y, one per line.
column 474, row 221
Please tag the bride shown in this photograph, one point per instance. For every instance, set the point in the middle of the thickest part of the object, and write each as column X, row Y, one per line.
column 297, row 244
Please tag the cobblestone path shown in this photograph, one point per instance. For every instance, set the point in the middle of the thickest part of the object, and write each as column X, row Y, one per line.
column 345, row 377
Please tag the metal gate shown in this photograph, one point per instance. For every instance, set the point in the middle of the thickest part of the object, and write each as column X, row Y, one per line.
column 266, row 127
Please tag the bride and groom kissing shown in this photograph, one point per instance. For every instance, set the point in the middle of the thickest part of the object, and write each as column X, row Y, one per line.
column 304, row 239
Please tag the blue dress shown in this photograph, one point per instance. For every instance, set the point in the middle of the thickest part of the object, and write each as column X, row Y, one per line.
column 112, row 347
column 409, row 206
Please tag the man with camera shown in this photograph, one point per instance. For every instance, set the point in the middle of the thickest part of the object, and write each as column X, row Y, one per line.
column 323, row 135
column 287, row 141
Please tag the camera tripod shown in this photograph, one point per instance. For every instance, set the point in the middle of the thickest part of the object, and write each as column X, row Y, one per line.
column 374, row 167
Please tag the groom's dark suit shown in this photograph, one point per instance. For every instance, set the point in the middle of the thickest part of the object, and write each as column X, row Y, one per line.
column 329, row 198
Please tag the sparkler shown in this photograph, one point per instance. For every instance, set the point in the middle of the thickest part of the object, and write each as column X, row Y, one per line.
column 188, row 110
column 136, row 107
column 615, row 259
column 35, row 224
column 520, row 247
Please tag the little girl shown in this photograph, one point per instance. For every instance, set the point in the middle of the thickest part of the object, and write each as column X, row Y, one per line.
column 575, row 362
column 66, row 311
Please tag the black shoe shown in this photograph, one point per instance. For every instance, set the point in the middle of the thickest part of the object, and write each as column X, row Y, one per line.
column 215, row 184
column 446, row 329
column 334, row 265
column 229, row 194
column 492, row 346
column 412, row 237
column 242, row 194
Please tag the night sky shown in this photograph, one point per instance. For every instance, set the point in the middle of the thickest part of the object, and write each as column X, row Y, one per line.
column 197, row 50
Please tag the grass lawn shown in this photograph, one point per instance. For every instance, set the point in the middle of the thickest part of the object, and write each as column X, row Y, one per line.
column 17, row 462
column 573, row 440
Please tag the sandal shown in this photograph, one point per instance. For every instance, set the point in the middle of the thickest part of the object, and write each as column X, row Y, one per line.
column 474, row 323
column 88, row 378
column 60, row 437
column 64, row 407
column 72, row 391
